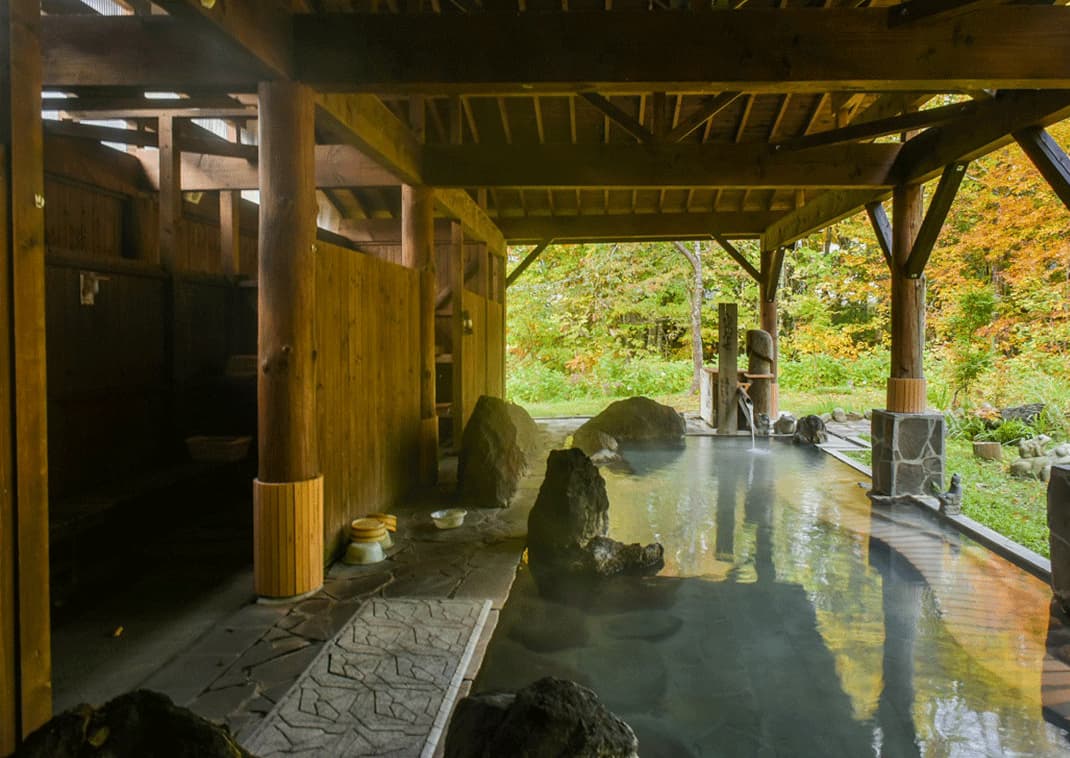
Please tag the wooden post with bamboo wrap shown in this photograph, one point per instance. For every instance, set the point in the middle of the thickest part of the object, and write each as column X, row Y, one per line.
column 288, row 493
column 906, row 383
column 418, row 252
column 727, row 372
column 25, row 626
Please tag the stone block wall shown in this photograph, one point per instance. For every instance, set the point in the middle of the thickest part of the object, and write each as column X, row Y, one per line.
column 908, row 453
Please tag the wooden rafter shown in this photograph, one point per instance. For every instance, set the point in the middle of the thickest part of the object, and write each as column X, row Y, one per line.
column 935, row 216
column 678, row 165
column 882, row 228
column 530, row 258
column 738, row 257
column 1049, row 158
column 917, row 10
column 707, row 111
column 618, row 116
column 833, row 49
column 826, row 208
column 636, row 226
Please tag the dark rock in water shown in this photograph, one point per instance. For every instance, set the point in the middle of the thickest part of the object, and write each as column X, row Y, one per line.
column 810, row 431
column 551, row 718
column 496, row 449
column 1028, row 413
column 137, row 724
column 606, row 557
column 572, row 507
column 567, row 525
column 638, row 418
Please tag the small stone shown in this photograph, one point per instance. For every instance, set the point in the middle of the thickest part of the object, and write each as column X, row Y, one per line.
column 785, row 424
column 839, row 415
column 810, row 431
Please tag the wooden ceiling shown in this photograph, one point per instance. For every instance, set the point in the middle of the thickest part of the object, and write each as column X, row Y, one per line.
column 595, row 119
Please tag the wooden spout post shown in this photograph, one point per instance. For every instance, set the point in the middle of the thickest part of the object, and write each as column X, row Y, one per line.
column 727, row 372
column 288, row 493
column 418, row 252
column 906, row 383
column 771, row 263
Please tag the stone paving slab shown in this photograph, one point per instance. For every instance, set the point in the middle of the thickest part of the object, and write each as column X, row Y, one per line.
column 382, row 687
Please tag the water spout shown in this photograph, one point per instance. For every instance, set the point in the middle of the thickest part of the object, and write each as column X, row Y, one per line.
column 747, row 407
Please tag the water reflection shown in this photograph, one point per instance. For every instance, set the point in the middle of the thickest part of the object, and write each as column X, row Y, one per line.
column 791, row 619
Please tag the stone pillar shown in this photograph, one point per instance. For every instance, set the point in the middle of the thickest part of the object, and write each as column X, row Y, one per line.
column 908, row 453
column 288, row 493
column 1059, row 537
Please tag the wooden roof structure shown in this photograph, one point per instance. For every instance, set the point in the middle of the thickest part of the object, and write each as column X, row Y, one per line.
column 583, row 120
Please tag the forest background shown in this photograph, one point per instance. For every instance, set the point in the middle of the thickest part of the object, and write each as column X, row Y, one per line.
column 589, row 323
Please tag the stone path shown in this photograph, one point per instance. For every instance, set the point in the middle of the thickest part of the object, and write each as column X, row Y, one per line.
column 383, row 686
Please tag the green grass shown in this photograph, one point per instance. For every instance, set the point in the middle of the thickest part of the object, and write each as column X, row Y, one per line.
column 1016, row 508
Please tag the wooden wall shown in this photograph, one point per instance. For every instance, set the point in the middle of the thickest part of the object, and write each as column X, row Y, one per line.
column 482, row 355
column 368, row 395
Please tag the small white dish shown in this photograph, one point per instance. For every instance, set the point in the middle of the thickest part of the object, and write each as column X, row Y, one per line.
column 451, row 518
column 363, row 553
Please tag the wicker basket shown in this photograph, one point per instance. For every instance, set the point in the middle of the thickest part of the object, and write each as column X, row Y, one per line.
column 218, row 449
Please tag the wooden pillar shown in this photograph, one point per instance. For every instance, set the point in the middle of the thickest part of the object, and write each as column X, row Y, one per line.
column 288, row 493
column 727, row 371
column 769, row 321
column 418, row 252
column 25, row 643
column 457, row 330
column 170, row 157
column 500, row 261
column 906, row 384
column 230, row 221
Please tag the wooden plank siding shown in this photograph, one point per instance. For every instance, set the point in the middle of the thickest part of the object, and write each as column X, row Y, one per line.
column 368, row 385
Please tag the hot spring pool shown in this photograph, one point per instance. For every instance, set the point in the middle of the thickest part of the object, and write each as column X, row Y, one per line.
column 792, row 619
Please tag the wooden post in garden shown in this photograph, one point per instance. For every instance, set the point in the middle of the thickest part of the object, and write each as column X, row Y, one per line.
column 769, row 281
column 288, row 493
column 25, row 629
column 906, row 383
column 727, row 372
column 418, row 252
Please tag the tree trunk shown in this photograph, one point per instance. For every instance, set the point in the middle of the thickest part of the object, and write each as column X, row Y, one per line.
column 695, row 259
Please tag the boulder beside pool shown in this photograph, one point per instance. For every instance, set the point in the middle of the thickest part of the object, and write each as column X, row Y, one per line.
column 550, row 718
column 499, row 441
column 637, row 419
column 567, row 525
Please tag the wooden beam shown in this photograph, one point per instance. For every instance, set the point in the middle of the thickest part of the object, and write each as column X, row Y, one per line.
column 142, row 52
column 337, row 166
column 25, row 628
column 618, row 116
column 1049, row 158
column 530, row 258
column 660, row 165
column 904, row 122
column 935, row 216
column 385, row 231
column 635, row 227
column 457, row 348
column 262, row 30
column 990, row 127
column 737, row 256
column 474, row 220
column 363, row 121
column 816, row 51
column 916, row 10
column 882, row 228
column 709, row 108
column 825, row 209
column 170, row 191
column 906, row 385
column 230, row 223
column 189, row 138
column 137, row 106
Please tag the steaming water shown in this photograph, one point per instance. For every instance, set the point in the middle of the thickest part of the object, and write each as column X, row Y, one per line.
column 793, row 620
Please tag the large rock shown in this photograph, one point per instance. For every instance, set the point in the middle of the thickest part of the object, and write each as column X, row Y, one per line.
column 140, row 723
column 567, row 525
column 551, row 718
column 596, row 444
column 496, row 450
column 810, row 431
column 638, row 418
